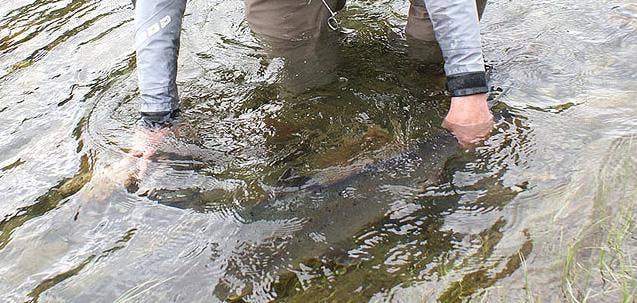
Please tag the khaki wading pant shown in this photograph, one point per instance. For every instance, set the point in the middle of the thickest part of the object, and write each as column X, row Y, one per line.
column 299, row 19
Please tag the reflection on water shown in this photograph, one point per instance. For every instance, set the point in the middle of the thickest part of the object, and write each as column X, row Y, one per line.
column 314, row 171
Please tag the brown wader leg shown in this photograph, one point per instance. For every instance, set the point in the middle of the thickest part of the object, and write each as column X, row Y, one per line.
column 296, row 31
column 290, row 20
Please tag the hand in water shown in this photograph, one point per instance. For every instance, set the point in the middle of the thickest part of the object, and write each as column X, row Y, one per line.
column 128, row 170
column 469, row 119
column 145, row 142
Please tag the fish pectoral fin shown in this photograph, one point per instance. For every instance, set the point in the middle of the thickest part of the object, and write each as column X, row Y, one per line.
column 291, row 178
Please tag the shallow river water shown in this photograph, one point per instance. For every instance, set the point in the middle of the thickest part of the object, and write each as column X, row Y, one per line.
column 319, row 172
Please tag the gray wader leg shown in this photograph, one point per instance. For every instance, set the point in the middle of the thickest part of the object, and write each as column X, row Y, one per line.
column 158, row 28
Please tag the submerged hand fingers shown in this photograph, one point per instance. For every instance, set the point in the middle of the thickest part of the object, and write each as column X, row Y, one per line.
column 469, row 135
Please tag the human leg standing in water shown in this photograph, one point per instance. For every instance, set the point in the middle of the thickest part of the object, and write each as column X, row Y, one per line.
column 454, row 23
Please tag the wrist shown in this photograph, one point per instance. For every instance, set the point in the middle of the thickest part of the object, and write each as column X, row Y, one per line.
column 157, row 119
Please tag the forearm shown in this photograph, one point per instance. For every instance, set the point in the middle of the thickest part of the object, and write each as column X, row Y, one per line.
column 457, row 30
column 158, row 28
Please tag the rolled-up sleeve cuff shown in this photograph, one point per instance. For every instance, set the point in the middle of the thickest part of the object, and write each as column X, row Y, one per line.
column 465, row 84
column 157, row 119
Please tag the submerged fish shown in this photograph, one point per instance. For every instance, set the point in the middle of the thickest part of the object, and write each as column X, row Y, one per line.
column 328, row 208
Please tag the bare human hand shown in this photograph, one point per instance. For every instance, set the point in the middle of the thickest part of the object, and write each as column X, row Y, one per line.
column 469, row 119
column 128, row 170
column 145, row 142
